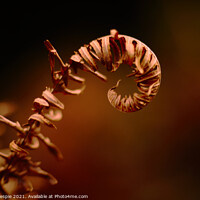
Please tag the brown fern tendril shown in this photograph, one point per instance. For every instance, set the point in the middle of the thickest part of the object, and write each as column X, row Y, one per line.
column 111, row 51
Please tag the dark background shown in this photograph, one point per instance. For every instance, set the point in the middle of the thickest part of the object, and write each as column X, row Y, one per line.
column 152, row 154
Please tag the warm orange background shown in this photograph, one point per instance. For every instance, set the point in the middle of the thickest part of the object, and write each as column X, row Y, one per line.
column 152, row 154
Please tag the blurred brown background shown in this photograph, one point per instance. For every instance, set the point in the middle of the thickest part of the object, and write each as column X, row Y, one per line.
column 152, row 154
